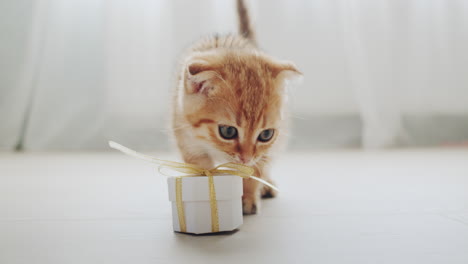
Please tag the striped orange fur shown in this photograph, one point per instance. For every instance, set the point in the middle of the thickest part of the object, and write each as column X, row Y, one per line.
column 228, row 81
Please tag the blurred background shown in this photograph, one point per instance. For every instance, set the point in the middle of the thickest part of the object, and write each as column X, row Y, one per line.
column 377, row 73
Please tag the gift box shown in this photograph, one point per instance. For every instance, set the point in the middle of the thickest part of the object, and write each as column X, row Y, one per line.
column 197, row 214
column 203, row 201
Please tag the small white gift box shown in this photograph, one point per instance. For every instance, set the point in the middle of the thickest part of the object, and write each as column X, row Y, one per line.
column 211, row 202
column 195, row 200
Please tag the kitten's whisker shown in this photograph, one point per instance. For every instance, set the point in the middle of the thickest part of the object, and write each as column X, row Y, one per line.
column 299, row 117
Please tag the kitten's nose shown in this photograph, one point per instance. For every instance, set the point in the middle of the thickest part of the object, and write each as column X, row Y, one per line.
column 245, row 158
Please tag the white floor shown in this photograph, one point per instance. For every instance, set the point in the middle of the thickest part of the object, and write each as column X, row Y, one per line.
column 334, row 207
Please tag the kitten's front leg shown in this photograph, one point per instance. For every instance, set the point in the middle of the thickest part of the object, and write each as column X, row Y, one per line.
column 252, row 191
column 267, row 191
column 251, row 197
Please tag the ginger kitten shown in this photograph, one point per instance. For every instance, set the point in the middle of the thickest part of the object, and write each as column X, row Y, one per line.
column 229, row 105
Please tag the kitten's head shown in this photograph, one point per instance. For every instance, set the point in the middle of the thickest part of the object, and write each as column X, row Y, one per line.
column 234, row 103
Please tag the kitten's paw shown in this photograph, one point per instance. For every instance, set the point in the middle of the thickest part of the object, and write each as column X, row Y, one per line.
column 268, row 192
column 249, row 205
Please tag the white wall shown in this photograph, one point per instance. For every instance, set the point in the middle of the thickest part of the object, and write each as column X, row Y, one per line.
column 103, row 69
column 15, row 23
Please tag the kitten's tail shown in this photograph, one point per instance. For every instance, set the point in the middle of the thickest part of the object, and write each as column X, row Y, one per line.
column 245, row 27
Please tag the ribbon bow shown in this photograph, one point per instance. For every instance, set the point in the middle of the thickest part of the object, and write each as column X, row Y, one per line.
column 192, row 170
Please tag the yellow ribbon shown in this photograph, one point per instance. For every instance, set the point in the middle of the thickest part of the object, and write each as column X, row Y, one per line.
column 192, row 170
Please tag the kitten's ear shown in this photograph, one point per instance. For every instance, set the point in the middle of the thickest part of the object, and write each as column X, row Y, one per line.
column 285, row 71
column 200, row 77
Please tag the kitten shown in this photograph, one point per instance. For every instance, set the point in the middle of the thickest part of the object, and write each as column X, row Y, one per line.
column 229, row 105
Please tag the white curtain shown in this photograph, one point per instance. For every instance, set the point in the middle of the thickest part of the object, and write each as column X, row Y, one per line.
column 79, row 72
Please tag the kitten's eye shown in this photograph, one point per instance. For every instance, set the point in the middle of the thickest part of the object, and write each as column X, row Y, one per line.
column 266, row 135
column 228, row 132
